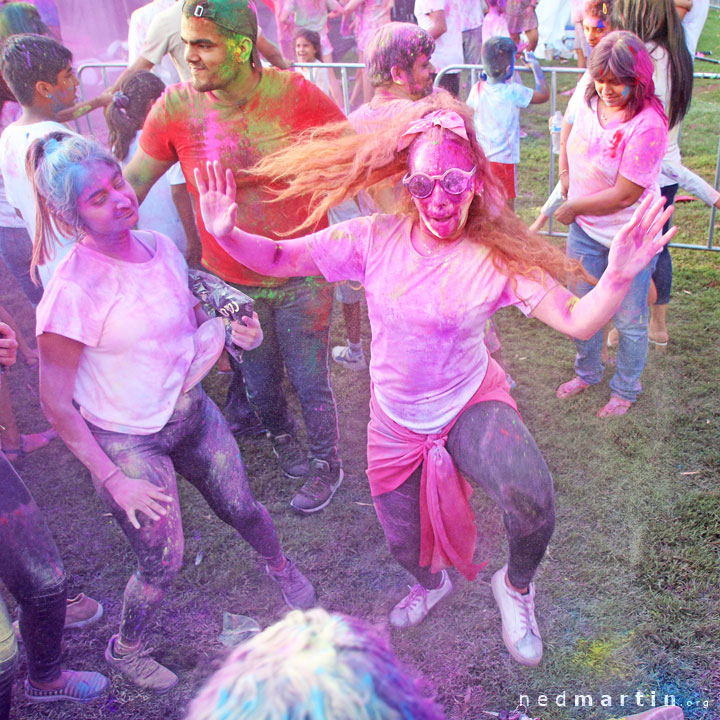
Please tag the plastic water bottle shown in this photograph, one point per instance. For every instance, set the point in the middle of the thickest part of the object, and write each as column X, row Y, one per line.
column 555, row 124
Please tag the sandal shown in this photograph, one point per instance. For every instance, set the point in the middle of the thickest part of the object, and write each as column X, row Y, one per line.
column 30, row 443
column 572, row 387
column 616, row 406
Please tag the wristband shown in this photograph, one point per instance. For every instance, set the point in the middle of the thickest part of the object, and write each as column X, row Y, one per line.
column 108, row 476
column 562, row 172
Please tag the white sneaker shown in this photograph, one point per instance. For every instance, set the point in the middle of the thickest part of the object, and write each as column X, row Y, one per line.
column 520, row 630
column 415, row 606
column 343, row 355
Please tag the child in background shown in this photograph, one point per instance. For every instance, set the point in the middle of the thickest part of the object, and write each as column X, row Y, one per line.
column 313, row 15
column 596, row 24
column 125, row 117
column 496, row 103
column 308, row 49
column 495, row 22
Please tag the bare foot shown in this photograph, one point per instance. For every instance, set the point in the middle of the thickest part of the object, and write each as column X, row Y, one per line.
column 616, row 406
column 571, row 388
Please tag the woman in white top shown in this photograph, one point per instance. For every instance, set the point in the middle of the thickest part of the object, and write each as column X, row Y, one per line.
column 119, row 351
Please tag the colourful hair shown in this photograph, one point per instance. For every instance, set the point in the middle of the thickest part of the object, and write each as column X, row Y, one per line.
column 20, row 17
column 126, row 113
column 497, row 55
column 396, row 44
column 313, row 666
column 657, row 23
column 624, row 56
column 332, row 163
column 55, row 165
column 30, row 59
column 601, row 9
column 313, row 38
column 499, row 5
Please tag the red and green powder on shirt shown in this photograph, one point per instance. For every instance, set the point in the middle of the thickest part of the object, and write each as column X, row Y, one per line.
column 194, row 127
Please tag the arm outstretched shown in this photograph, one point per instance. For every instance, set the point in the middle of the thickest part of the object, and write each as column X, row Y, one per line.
column 283, row 258
column 634, row 246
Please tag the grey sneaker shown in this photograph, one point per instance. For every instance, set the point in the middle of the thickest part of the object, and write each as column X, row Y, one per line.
column 343, row 355
column 297, row 590
column 292, row 459
column 141, row 669
column 318, row 490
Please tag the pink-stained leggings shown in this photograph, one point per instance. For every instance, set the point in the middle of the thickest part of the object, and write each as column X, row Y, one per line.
column 493, row 449
column 197, row 443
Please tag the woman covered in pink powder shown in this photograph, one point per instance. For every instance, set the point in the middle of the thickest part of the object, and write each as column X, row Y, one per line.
column 612, row 157
column 434, row 272
column 123, row 344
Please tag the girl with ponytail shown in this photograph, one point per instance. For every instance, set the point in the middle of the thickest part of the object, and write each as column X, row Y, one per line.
column 167, row 207
column 123, row 345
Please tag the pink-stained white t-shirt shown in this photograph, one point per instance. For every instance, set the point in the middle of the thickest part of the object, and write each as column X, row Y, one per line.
column 494, row 25
column 427, row 314
column 597, row 155
column 137, row 324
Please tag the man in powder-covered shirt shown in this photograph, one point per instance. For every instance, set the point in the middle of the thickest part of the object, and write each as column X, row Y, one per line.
column 236, row 112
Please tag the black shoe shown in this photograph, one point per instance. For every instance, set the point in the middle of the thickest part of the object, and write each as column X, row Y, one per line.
column 242, row 419
column 320, row 487
column 292, row 459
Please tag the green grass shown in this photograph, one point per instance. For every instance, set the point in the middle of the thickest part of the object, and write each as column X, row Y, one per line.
column 627, row 595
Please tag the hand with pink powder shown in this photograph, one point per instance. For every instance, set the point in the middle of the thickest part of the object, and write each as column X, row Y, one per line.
column 247, row 332
column 8, row 345
column 135, row 495
column 217, row 199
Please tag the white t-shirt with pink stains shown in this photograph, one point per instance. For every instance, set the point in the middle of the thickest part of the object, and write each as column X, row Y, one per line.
column 427, row 314
column 597, row 155
column 137, row 324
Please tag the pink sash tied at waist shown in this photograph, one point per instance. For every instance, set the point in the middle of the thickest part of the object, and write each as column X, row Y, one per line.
column 447, row 525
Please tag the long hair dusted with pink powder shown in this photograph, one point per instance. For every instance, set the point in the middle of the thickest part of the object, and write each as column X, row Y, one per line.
column 623, row 55
column 332, row 163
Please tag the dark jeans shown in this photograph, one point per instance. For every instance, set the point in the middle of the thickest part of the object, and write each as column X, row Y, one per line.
column 32, row 571
column 16, row 252
column 662, row 276
column 197, row 443
column 295, row 319
column 492, row 448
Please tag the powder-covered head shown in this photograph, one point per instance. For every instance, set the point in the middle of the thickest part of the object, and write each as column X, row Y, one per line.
column 396, row 44
column 623, row 56
column 313, row 666
column 499, row 5
column 232, row 17
column 29, row 59
column 130, row 105
column 57, row 167
column 20, row 17
column 600, row 9
column 498, row 54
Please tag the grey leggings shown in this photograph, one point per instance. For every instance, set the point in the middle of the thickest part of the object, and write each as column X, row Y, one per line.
column 493, row 449
column 197, row 443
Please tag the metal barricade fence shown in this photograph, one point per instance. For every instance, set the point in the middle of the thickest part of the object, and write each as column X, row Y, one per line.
column 554, row 72
column 474, row 70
